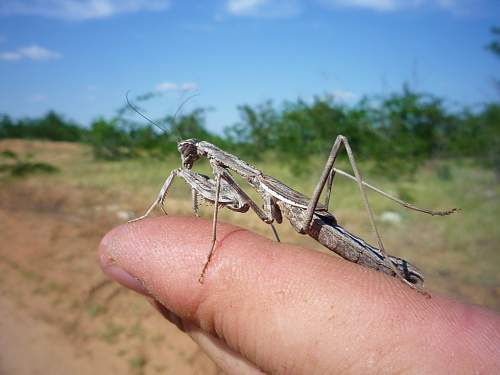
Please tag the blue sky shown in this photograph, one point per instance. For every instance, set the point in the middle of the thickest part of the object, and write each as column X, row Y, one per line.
column 81, row 57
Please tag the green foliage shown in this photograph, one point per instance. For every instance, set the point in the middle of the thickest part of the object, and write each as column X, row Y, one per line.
column 494, row 46
column 397, row 133
column 191, row 125
column 121, row 138
column 108, row 141
column 444, row 173
column 14, row 166
column 411, row 128
column 406, row 194
column 486, row 146
column 255, row 133
column 51, row 127
column 138, row 362
column 112, row 332
column 8, row 154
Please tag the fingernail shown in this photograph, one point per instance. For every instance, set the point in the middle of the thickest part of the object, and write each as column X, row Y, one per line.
column 123, row 277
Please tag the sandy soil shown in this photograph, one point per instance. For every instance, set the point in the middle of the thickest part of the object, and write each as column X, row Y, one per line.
column 59, row 314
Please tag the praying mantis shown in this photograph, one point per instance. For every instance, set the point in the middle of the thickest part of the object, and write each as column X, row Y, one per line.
column 307, row 216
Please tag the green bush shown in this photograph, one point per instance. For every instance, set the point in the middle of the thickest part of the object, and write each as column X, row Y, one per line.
column 12, row 165
column 108, row 141
column 51, row 127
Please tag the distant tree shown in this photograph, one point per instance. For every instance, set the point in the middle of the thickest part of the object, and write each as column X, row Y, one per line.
column 494, row 46
column 490, row 119
column 144, row 137
column 6, row 126
column 52, row 127
column 309, row 129
column 191, row 125
column 108, row 141
column 256, row 128
column 487, row 142
column 412, row 127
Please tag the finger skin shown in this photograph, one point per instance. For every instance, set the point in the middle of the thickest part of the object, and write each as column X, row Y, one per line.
column 226, row 359
column 294, row 311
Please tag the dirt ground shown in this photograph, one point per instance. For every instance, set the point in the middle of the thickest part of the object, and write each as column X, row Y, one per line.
column 59, row 314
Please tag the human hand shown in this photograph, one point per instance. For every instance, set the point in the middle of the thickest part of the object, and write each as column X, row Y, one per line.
column 276, row 308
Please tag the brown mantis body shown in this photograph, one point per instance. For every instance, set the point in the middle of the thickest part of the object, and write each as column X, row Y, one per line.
column 307, row 216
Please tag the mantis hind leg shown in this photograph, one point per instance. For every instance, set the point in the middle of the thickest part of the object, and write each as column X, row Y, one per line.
column 328, row 174
column 329, row 185
column 392, row 198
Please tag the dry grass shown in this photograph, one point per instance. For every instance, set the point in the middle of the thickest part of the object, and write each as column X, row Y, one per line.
column 459, row 254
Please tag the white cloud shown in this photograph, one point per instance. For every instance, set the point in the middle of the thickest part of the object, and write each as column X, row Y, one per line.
column 291, row 8
column 79, row 9
column 32, row 52
column 244, row 7
column 344, row 95
column 379, row 5
column 263, row 8
column 166, row 86
column 393, row 5
column 189, row 86
column 447, row 3
column 10, row 56
column 35, row 52
column 37, row 98
column 171, row 86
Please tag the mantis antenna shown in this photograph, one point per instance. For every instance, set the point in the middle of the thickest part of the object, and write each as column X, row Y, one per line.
column 136, row 110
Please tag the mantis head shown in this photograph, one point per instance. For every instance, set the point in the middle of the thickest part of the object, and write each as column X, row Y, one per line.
column 189, row 152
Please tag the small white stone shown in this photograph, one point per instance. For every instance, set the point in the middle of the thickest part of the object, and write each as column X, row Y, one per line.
column 124, row 215
column 391, row 217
